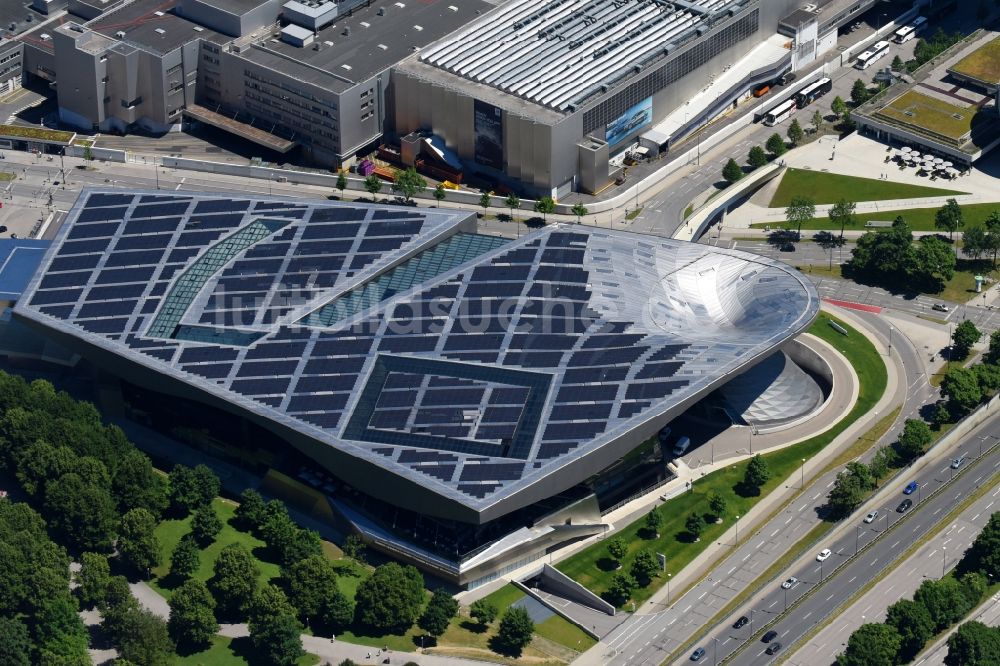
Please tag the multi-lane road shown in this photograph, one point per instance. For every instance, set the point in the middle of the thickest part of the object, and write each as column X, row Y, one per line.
column 823, row 586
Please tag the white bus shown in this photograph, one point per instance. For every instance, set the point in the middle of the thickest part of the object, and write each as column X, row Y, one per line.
column 812, row 92
column 868, row 58
column 908, row 32
column 779, row 113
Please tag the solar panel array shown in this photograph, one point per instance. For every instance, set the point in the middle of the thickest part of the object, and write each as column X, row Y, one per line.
column 472, row 365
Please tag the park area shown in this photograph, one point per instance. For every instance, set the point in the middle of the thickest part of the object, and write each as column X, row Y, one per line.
column 594, row 568
column 829, row 188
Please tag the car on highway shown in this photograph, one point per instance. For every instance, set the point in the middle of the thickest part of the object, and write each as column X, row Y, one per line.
column 740, row 623
column 824, row 555
column 773, row 648
column 790, row 583
column 911, row 488
column 786, row 247
column 904, row 506
column 698, row 654
column 769, row 636
column 940, row 307
column 957, row 462
column 872, row 515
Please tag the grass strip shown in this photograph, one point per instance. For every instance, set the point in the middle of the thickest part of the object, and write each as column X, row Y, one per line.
column 828, row 188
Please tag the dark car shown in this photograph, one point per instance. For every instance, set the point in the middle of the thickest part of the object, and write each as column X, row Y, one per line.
column 698, row 654
column 740, row 623
column 773, row 648
column 769, row 636
column 904, row 506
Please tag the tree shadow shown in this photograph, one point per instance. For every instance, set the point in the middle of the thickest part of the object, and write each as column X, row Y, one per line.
column 473, row 627
column 534, row 222
column 827, row 240
column 186, row 649
column 746, row 490
column 171, row 581
column 686, row 537
column 502, row 648
column 780, row 237
column 607, row 564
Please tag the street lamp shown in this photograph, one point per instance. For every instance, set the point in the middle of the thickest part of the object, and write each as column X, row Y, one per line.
column 715, row 651
column 944, row 559
column 668, row 589
column 802, row 475
column 857, row 537
column 737, row 531
column 891, row 329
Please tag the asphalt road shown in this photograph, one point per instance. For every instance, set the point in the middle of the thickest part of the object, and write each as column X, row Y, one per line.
column 648, row 637
column 831, row 583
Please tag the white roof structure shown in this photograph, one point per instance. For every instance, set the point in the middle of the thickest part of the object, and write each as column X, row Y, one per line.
column 560, row 52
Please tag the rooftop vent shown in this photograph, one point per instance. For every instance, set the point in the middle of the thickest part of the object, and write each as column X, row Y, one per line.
column 45, row 36
column 120, row 34
column 453, row 8
column 418, row 28
column 198, row 28
column 383, row 47
column 400, row 5
column 347, row 31
column 317, row 46
column 346, row 66
column 161, row 31
column 366, row 24
column 158, row 13
column 381, row 11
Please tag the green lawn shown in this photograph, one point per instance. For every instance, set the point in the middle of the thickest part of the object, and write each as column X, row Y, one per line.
column 169, row 533
column 919, row 219
column 36, row 133
column 982, row 64
column 829, row 188
column 559, row 630
column 230, row 652
column 592, row 567
column 924, row 112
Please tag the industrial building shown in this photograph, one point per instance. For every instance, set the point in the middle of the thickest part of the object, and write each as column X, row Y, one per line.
column 463, row 401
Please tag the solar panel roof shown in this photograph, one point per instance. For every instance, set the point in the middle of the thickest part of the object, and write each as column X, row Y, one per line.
column 526, row 365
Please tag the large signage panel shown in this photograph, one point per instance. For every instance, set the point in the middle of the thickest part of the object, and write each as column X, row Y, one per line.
column 638, row 116
column 488, row 125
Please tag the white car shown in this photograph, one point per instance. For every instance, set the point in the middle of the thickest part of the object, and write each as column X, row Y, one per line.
column 790, row 583
column 940, row 307
column 824, row 555
column 872, row 515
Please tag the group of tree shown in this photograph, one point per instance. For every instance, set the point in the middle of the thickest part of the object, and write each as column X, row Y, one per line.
column 891, row 258
column 965, row 388
column 760, row 156
column 926, row 50
column 982, row 240
column 936, row 606
column 849, row 490
column 287, row 542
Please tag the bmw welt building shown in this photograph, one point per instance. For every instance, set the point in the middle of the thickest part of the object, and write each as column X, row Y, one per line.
column 468, row 400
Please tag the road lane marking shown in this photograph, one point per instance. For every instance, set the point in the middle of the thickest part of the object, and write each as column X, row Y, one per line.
column 894, row 545
column 775, row 532
column 731, row 570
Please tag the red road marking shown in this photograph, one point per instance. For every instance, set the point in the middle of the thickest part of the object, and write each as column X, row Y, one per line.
column 854, row 306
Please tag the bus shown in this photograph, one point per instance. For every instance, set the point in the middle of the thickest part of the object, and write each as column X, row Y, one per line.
column 779, row 113
column 868, row 58
column 908, row 32
column 812, row 92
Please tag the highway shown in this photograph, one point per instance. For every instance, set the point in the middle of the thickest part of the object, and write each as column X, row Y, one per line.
column 662, row 626
column 824, row 586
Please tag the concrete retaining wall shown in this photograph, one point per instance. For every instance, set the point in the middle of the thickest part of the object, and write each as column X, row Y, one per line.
column 96, row 153
column 700, row 220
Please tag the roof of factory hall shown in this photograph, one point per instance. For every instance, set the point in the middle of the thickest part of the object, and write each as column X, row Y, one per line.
column 489, row 372
column 152, row 25
column 558, row 53
column 367, row 41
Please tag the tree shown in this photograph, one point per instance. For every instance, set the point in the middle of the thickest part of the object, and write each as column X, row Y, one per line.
column 984, row 553
column 88, row 154
column 15, row 643
column 545, row 205
column 695, row 525
column 341, row 182
column 277, row 639
column 940, row 414
column 800, row 209
column 916, row 436
column 949, row 218
column 645, row 565
column 117, row 601
column 653, row 521
column 408, row 183
column 817, row 120
column 354, row 547
column 485, row 198
column 859, row 93
column 732, row 171
column 966, row 334
column 235, row 579
column 617, row 549
column 717, row 505
column 288, row 541
column 138, row 546
column 512, row 202
column 897, row 64
column 842, row 213
column 205, row 525
column 440, row 193
column 993, row 353
column 41, row 462
column 516, row 629
column 579, row 210
column 974, row 586
column 92, row 578
column 373, row 184
column 390, row 599
column 756, row 474
column 776, row 145
column 880, row 463
column 757, row 157
column 933, row 262
column 795, row 132
column 621, row 587
column 961, row 387
column 974, row 644
column 871, row 645
column 192, row 614
column 60, row 636
column 185, row 559
column 944, row 600
column 191, row 488
column 483, row 612
column 440, row 609
column 250, row 512
column 992, row 241
column 136, row 485
column 83, row 514
column 269, row 601
column 839, row 107
column 974, row 243
column 146, row 639
column 313, row 591
column 914, row 625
